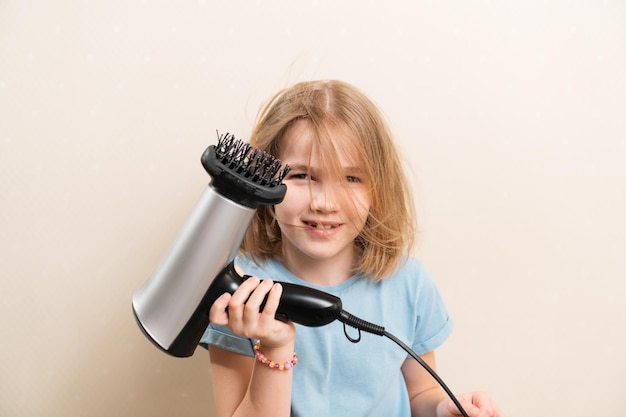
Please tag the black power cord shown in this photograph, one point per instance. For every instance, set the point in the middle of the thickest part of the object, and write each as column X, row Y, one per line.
column 349, row 320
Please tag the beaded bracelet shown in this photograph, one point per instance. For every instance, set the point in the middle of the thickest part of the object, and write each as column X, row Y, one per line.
column 270, row 363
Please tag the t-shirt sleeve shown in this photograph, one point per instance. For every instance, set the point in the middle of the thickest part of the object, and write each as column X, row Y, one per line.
column 436, row 340
column 433, row 324
column 222, row 337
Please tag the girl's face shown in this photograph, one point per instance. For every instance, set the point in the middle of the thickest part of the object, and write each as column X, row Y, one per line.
column 321, row 214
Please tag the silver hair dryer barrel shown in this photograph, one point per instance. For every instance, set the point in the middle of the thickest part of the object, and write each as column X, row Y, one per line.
column 166, row 305
column 172, row 306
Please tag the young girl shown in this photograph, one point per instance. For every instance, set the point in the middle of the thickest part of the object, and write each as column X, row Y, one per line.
column 345, row 227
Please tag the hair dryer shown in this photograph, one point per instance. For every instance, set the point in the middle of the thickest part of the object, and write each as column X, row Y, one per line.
column 172, row 307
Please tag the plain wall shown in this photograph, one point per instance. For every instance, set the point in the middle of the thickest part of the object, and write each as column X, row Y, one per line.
column 511, row 116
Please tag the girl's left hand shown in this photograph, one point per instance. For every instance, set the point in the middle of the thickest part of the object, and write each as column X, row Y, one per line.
column 475, row 404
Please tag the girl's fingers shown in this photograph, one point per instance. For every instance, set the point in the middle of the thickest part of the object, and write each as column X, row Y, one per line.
column 244, row 306
column 239, row 270
column 227, row 310
column 273, row 300
column 257, row 299
column 241, row 296
column 218, row 314
column 241, row 311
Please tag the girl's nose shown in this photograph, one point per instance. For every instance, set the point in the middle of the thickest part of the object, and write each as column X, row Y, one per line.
column 324, row 201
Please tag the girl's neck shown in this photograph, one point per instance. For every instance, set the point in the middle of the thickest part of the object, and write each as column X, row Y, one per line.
column 328, row 272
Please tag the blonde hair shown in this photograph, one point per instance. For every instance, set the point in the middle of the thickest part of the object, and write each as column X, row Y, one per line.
column 389, row 231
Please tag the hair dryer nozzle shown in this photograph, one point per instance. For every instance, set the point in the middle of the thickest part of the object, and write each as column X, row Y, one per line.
column 243, row 173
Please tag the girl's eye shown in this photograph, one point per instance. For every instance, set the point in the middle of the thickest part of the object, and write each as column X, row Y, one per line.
column 352, row 178
column 298, row 176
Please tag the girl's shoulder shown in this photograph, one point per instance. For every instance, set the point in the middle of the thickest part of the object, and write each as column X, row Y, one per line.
column 411, row 276
column 411, row 263
column 410, row 267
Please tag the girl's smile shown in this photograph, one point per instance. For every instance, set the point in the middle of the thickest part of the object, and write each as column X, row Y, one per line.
column 321, row 229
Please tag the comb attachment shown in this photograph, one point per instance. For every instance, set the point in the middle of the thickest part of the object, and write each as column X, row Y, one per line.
column 243, row 173
column 252, row 163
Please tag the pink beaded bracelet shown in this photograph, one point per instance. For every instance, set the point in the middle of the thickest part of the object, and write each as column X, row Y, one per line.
column 270, row 363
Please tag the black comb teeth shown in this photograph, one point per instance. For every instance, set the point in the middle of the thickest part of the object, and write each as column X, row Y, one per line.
column 244, row 174
column 254, row 164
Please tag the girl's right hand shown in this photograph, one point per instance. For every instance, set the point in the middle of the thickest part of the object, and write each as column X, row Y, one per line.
column 240, row 313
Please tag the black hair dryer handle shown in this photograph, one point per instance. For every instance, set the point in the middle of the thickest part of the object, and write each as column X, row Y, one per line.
column 300, row 304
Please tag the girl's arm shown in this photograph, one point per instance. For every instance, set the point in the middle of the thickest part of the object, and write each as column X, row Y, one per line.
column 242, row 385
column 245, row 387
column 428, row 398
column 424, row 392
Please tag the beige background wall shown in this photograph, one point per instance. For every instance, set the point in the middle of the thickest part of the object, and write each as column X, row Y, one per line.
column 512, row 116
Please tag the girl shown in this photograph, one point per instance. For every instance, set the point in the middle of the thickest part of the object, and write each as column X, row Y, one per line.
column 346, row 227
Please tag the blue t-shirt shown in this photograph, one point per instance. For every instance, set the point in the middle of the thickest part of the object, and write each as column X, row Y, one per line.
column 335, row 377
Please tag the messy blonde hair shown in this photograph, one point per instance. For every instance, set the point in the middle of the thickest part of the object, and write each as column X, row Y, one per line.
column 389, row 231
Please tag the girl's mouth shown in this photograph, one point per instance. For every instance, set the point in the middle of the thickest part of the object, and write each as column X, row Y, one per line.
column 322, row 226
